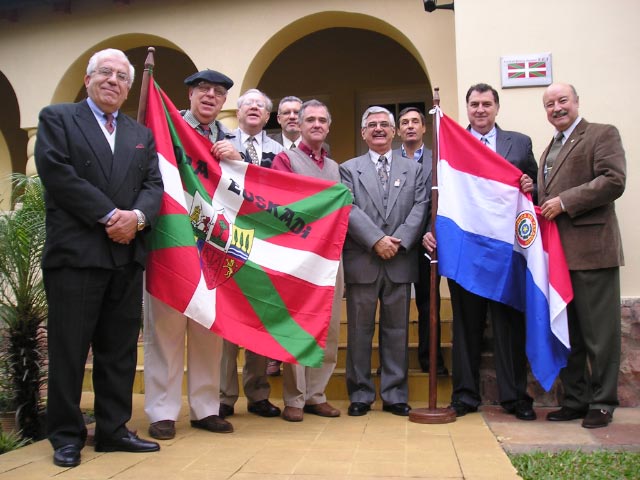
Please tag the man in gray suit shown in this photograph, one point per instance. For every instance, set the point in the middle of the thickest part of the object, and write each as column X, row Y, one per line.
column 411, row 129
column 470, row 310
column 380, row 263
column 583, row 171
column 255, row 147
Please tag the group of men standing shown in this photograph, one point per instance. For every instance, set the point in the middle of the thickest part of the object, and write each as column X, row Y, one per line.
column 103, row 189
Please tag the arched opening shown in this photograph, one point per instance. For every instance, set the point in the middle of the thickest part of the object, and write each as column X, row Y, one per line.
column 13, row 141
column 349, row 69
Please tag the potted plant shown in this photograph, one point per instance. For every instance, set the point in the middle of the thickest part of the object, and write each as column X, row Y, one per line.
column 23, row 306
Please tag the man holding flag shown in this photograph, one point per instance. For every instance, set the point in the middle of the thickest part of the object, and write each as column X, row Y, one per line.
column 165, row 328
column 470, row 309
column 582, row 173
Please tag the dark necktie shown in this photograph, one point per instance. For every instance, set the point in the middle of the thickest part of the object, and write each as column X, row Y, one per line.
column 485, row 140
column 204, row 130
column 251, row 150
column 109, row 123
column 382, row 171
column 556, row 146
column 293, row 145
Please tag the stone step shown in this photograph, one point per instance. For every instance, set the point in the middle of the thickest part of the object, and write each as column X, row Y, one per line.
column 336, row 389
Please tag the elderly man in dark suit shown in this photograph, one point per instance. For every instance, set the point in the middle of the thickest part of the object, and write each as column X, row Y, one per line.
column 102, row 192
column 470, row 310
column 411, row 129
column 380, row 263
column 582, row 173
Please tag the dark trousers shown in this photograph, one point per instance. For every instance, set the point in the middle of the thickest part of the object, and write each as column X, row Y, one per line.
column 99, row 308
column 509, row 334
column 423, row 303
column 590, row 379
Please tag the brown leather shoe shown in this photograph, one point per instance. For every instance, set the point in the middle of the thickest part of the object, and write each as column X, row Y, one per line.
column 322, row 409
column 292, row 414
column 163, row 430
column 213, row 423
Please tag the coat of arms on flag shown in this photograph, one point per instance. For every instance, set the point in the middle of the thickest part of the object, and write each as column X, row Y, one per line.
column 250, row 253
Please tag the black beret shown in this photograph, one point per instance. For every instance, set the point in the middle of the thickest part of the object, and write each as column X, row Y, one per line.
column 210, row 76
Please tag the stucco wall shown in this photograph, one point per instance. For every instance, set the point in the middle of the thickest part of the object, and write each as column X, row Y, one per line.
column 594, row 45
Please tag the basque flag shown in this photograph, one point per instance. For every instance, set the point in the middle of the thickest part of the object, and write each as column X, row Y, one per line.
column 493, row 242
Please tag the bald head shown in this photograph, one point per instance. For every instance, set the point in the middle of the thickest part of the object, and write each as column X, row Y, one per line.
column 561, row 103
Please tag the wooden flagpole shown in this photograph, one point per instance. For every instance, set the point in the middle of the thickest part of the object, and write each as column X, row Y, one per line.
column 432, row 414
column 149, row 63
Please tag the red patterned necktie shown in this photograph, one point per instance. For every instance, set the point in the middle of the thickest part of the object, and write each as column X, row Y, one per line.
column 109, row 125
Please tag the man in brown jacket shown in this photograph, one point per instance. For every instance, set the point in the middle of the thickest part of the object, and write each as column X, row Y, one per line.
column 582, row 172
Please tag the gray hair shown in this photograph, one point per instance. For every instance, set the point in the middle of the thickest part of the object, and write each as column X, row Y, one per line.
column 312, row 103
column 375, row 109
column 110, row 52
column 267, row 101
column 290, row 98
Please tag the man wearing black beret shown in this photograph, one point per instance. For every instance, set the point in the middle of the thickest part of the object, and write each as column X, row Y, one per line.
column 165, row 328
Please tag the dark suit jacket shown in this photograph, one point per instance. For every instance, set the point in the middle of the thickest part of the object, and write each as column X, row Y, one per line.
column 588, row 174
column 369, row 222
column 426, row 162
column 84, row 181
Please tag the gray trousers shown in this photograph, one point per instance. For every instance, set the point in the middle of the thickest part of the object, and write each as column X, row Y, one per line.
column 362, row 300
column 306, row 385
column 254, row 376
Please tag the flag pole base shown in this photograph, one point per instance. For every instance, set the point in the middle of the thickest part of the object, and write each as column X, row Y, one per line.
column 432, row 415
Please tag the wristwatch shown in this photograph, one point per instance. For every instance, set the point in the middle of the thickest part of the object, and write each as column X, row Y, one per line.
column 141, row 220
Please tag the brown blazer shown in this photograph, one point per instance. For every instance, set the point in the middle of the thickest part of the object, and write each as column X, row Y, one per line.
column 589, row 174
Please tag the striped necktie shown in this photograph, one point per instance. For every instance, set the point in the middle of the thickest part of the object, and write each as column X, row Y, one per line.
column 109, row 123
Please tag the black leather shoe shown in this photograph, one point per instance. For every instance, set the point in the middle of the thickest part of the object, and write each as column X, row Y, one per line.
column 225, row 410
column 462, row 408
column 67, row 456
column 401, row 409
column 129, row 443
column 565, row 414
column 357, row 409
column 213, row 423
column 522, row 409
column 597, row 418
column 264, row 408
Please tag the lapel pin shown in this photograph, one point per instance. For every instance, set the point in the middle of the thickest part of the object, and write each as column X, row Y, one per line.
column 396, row 183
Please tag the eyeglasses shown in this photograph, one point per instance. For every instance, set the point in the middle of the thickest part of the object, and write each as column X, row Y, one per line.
column 249, row 102
column 374, row 125
column 207, row 87
column 107, row 72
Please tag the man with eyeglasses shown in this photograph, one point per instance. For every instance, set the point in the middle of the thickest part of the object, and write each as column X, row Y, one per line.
column 411, row 129
column 165, row 328
column 103, row 189
column 303, row 387
column 256, row 148
column 380, row 263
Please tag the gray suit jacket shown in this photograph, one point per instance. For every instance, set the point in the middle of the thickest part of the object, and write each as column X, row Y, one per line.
column 369, row 222
column 270, row 148
column 588, row 174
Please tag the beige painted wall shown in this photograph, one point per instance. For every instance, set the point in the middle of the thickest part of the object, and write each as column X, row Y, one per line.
column 594, row 46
